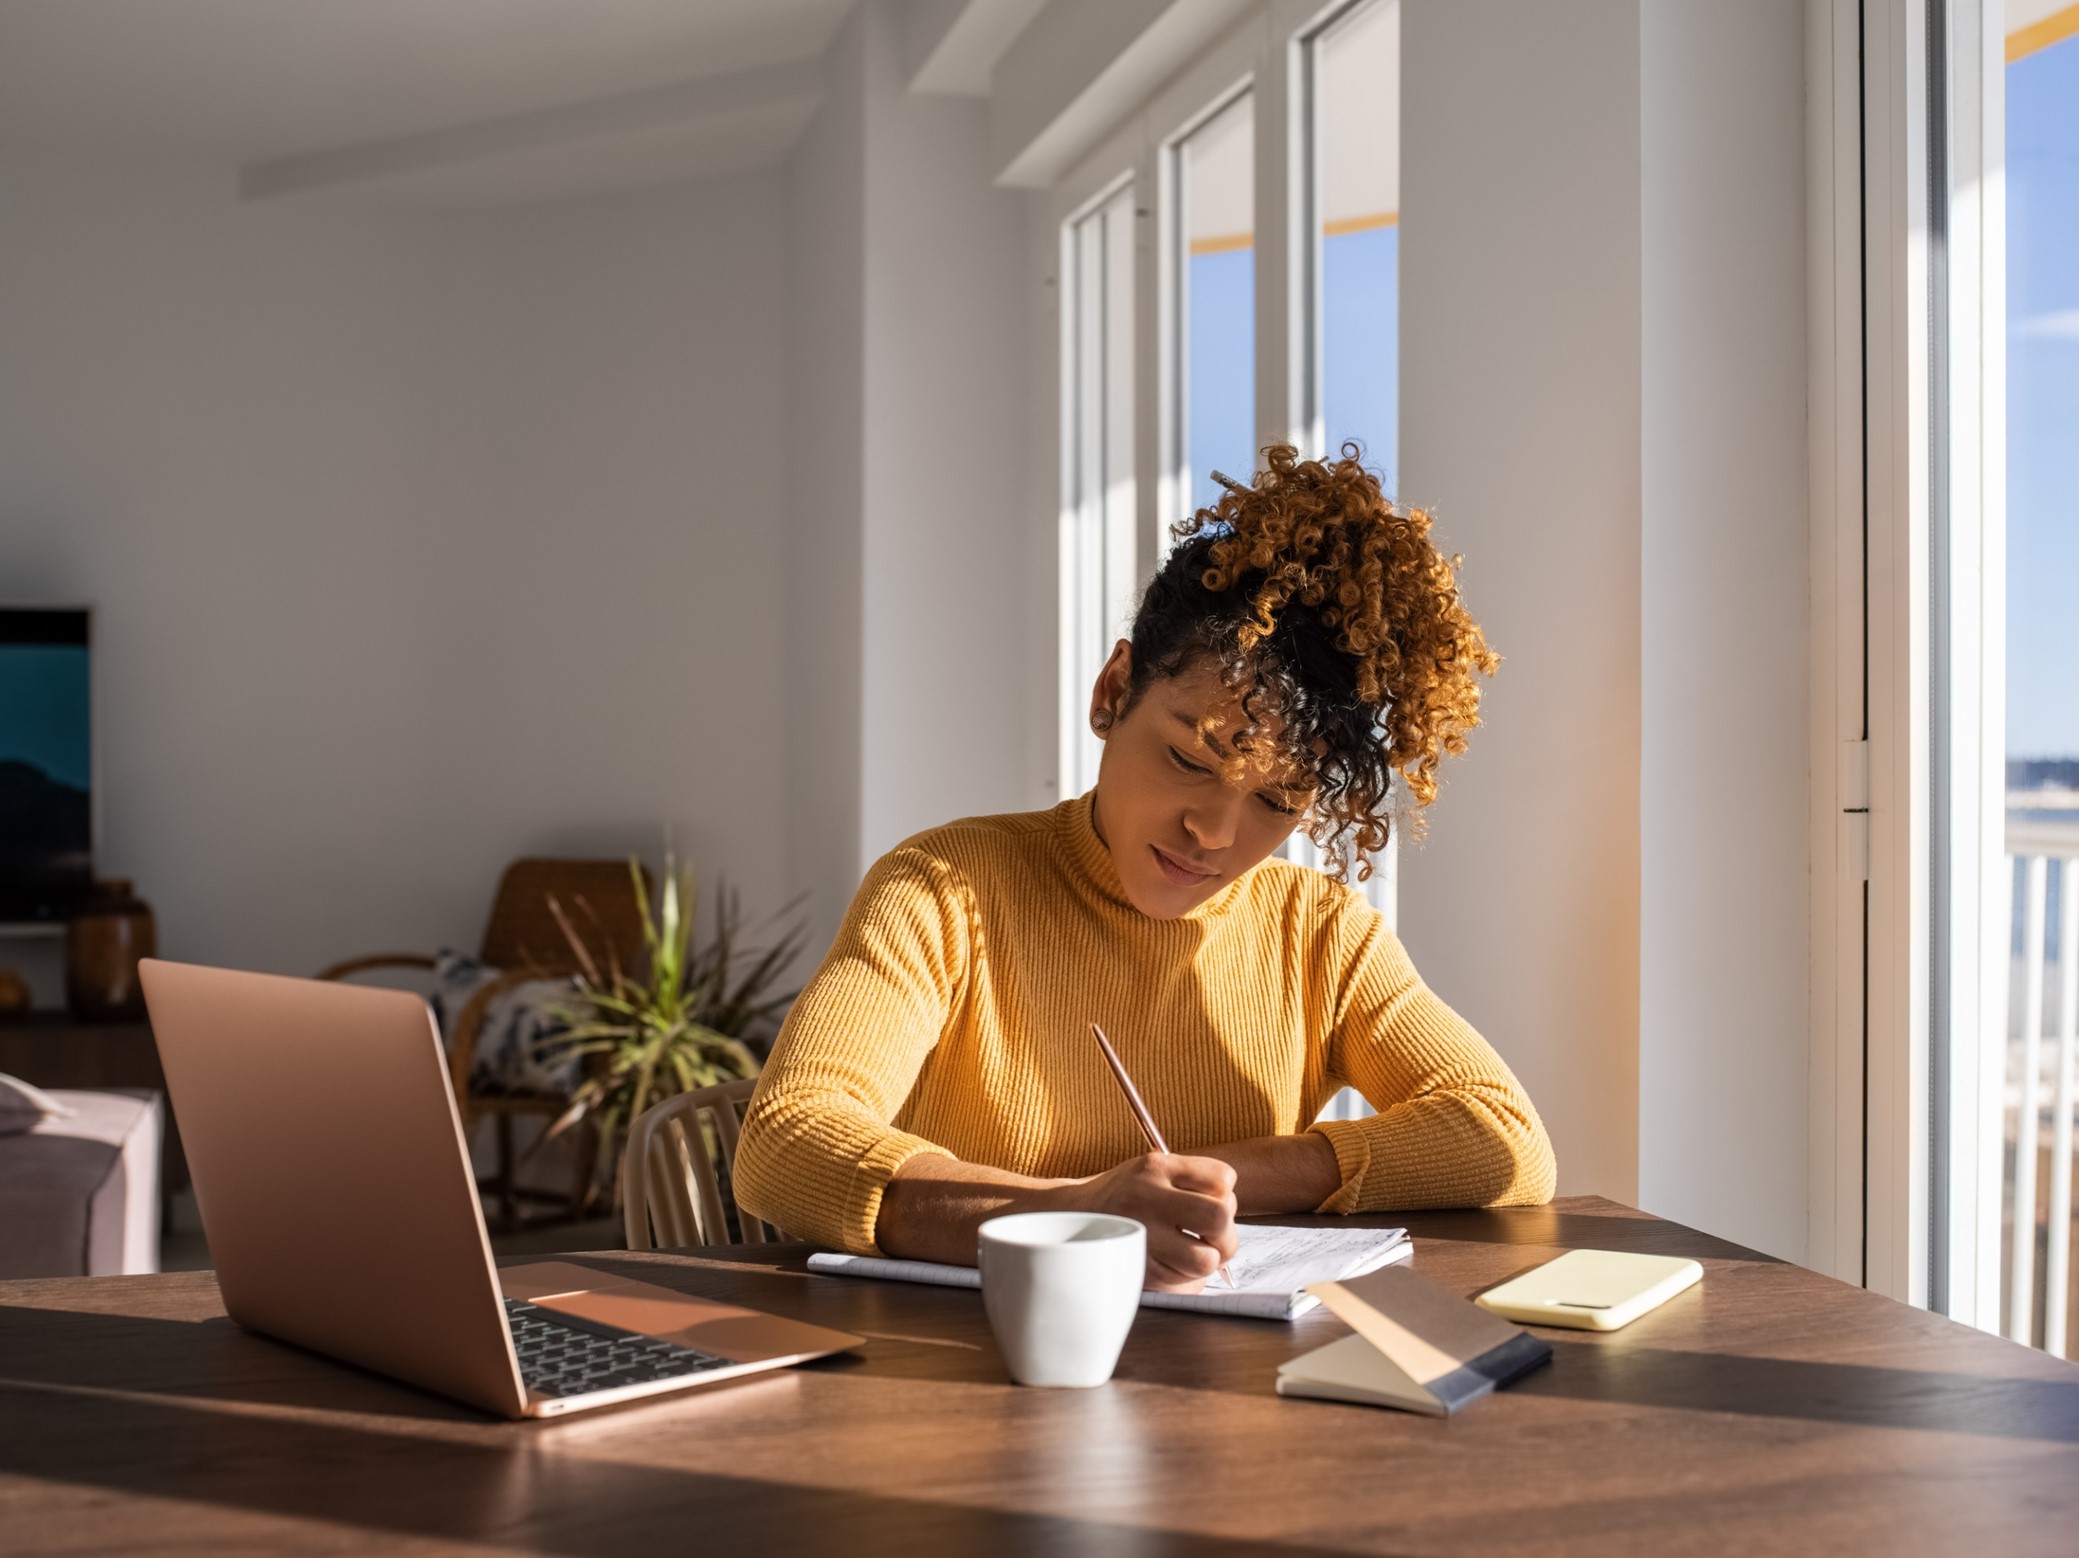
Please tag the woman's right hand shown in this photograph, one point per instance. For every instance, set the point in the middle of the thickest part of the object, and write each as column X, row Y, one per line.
column 1173, row 1197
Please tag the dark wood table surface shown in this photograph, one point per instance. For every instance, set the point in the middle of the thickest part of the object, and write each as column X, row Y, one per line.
column 1770, row 1410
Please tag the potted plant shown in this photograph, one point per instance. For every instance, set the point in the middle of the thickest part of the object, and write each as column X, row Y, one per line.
column 688, row 1019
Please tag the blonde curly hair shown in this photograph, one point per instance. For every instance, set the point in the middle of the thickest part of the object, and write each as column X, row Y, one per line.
column 1321, row 601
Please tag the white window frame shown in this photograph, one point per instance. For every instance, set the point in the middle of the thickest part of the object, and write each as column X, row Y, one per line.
column 1136, row 153
column 1263, row 54
column 1080, row 551
column 1965, row 1230
column 1839, row 817
column 1929, row 429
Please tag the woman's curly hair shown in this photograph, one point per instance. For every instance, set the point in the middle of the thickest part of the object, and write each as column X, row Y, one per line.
column 1324, row 603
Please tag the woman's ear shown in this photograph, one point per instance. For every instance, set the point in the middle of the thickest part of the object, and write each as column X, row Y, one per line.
column 1108, row 696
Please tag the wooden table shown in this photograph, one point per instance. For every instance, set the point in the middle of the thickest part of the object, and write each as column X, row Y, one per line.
column 1771, row 1410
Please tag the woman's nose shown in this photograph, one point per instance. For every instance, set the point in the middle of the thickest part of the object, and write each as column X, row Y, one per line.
column 1211, row 826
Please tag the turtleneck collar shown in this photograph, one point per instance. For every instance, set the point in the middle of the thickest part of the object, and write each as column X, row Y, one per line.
column 1090, row 861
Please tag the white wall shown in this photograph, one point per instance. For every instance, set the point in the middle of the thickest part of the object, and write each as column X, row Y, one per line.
column 418, row 543
column 1602, row 316
column 824, row 459
column 945, row 557
column 907, row 514
column 1520, row 425
column 1724, row 923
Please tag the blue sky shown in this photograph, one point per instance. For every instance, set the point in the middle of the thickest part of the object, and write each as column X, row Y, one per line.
column 1222, row 358
column 2043, row 403
column 1360, row 345
column 1360, row 356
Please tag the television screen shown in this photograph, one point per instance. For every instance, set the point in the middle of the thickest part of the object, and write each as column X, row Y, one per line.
column 46, row 763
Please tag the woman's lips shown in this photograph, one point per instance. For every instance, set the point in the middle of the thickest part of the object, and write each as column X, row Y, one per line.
column 1177, row 871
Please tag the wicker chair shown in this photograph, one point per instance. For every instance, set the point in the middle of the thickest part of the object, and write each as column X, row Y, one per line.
column 671, row 1195
column 523, row 941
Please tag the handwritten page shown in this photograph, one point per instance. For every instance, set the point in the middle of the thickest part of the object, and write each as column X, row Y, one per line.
column 1282, row 1260
column 1272, row 1268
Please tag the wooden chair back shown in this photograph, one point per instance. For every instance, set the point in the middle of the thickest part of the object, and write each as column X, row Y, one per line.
column 522, row 933
column 671, row 1194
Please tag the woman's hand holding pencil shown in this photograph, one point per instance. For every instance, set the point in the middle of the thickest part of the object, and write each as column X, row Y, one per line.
column 1186, row 1204
column 1193, row 1197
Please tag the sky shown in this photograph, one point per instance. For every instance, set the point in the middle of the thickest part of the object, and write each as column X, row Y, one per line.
column 2043, row 403
column 1360, row 345
column 1360, row 356
column 1222, row 364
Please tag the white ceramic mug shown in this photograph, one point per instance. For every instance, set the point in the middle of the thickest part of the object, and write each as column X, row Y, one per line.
column 1062, row 1289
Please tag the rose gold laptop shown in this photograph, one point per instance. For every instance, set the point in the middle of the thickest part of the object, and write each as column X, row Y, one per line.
column 342, row 1214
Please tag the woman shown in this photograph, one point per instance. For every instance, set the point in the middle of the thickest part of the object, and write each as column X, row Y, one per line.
column 1303, row 642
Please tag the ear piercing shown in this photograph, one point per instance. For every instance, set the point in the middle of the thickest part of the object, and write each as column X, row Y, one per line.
column 1101, row 720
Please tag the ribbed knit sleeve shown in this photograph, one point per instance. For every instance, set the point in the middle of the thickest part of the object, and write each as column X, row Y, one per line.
column 817, row 1147
column 1454, row 1127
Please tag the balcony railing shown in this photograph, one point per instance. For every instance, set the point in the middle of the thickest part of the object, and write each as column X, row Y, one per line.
column 2042, row 1035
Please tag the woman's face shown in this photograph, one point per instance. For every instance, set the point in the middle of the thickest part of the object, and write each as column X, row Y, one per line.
column 1177, row 831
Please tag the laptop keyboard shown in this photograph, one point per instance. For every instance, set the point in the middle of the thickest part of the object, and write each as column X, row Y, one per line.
column 561, row 1355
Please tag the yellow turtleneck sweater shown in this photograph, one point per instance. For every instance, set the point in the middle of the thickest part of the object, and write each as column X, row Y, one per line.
column 953, row 1014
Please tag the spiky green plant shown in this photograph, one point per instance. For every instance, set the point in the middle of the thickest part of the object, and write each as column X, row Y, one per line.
column 678, row 1025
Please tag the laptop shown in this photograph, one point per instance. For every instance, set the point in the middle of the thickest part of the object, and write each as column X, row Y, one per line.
column 342, row 1213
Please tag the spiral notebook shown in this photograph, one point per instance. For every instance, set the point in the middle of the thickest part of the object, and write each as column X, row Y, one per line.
column 1271, row 1271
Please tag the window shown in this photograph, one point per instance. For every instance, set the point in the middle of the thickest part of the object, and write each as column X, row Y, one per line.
column 1350, row 216
column 1354, row 105
column 1217, row 297
column 2042, row 666
column 1100, row 562
column 1988, row 124
column 1215, row 185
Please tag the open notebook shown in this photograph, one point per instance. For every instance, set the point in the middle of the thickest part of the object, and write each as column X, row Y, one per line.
column 1271, row 1271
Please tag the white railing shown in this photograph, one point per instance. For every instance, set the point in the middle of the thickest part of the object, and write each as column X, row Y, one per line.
column 2039, row 848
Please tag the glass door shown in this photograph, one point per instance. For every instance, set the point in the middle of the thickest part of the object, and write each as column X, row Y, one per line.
column 2040, row 973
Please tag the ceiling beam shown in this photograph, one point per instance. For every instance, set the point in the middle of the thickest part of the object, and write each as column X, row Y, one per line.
column 951, row 47
column 1080, row 68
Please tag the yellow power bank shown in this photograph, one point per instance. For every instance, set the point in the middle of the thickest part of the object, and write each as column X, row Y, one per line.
column 1592, row 1290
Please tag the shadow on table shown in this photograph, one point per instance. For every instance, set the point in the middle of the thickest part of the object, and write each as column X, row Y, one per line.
column 1859, row 1395
column 523, row 1496
column 203, row 1360
column 69, row 1420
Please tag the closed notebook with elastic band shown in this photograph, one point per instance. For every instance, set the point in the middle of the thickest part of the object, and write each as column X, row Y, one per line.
column 1416, row 1347
column 1592, row 1290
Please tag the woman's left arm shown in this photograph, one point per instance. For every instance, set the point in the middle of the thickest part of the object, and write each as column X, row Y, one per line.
column 1454, row 1126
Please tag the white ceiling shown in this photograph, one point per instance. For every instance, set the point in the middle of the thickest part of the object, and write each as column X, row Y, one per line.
column 415, row 95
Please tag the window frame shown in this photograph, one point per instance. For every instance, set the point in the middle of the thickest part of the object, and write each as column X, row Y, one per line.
column 1265, row 53
column 1931, row 624
column 1134, row 153
column 1075, row 521
column 1175, row 300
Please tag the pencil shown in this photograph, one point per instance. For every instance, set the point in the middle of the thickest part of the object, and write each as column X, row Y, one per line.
column 1141, row 1116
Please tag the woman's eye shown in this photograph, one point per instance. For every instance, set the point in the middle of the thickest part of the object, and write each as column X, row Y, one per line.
column 1278, row 806
column 1178, row 758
